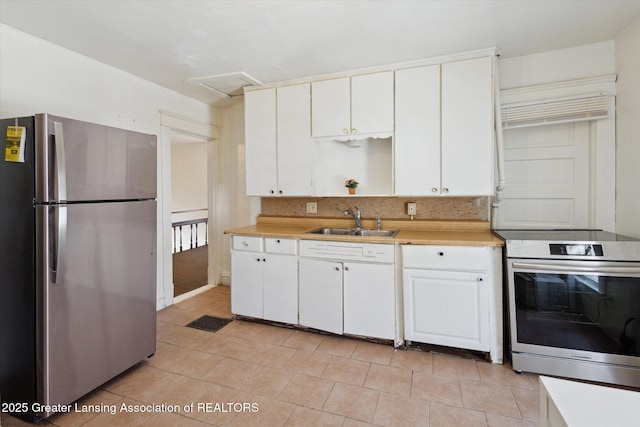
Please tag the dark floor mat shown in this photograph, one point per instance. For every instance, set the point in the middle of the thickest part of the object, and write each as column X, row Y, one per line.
column 209, row 323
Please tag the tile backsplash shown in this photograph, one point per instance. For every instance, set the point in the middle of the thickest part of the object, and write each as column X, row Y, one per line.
column 465, row 208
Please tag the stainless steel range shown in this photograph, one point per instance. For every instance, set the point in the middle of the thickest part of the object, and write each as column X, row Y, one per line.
column 574, row 304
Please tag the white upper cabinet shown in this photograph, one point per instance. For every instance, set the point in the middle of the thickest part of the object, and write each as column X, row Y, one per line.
column 353, row 106
column 295, row 163
column 467, row 127
column 331, row 107
column 372, row 103
column 444, row 129
column 417, row 141
column 278, row 141
column 260, row 142
column 420, row 131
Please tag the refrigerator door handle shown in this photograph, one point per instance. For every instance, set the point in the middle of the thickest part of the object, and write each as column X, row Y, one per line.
column 57, row 272
column 61, row 167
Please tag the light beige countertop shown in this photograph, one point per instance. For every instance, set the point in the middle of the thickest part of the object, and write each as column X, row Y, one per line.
column 437, row 232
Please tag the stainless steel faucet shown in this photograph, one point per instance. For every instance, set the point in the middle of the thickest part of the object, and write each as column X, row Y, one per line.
column 355, row 213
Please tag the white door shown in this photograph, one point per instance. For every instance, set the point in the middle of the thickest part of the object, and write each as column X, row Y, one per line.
column 281, row 288
column 372, row 103
column 417, row 135
column 331, row 107
column 246, row 283
column 446, row 308
column 320, row 287
column 547, row 177
column 260, row 142
column 369, row 300
column 467, row 127
column 294, row 141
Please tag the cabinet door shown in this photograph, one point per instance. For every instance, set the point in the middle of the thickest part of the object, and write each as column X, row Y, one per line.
column 369, row 300
column 246, row 283
column 372, row 103
column 446, row 308
column 330, row 101
column 467, row 127
column 417, row 136
column 280, row 281
column 260, row 142
column 294, row 141
column 320, row 287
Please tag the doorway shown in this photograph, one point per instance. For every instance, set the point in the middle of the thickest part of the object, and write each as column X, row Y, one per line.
column 189, row 214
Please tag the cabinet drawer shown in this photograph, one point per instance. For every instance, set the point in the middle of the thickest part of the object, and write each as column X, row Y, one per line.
column 281, row 246
column 437, row 257
column 247, row 243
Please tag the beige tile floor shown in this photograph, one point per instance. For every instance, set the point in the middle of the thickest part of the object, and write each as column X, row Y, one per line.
column 298, row 378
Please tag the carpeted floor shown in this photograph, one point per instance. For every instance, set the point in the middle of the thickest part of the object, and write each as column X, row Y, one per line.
column 190, row 270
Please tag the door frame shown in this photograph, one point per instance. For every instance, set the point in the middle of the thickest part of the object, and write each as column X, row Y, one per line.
column 172, row 122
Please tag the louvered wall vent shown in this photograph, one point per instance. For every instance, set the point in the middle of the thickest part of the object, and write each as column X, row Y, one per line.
column 554, row 111
column 229, row 84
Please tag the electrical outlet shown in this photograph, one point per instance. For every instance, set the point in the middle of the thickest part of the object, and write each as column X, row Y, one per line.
column 411, row 208
column 312, row 207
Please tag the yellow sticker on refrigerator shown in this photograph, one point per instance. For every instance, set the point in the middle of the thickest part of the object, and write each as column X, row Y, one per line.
column 14, row 150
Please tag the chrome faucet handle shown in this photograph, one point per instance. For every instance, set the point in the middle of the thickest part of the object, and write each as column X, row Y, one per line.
column 378, row 222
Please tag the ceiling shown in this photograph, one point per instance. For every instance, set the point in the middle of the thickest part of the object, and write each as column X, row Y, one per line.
column 167, row 42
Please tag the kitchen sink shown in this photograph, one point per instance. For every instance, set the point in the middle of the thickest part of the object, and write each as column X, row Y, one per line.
column 362, row 232
column 376, row 233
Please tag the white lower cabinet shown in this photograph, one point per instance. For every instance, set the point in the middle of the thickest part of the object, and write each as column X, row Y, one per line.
column 348, row 297
column 348, row 288
column 446, row 296
column 320, row 301
column 369, row 300
column 264, row 278
column 246, row 284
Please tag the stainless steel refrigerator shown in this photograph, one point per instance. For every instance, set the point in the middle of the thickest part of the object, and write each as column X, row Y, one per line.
column 77, row 258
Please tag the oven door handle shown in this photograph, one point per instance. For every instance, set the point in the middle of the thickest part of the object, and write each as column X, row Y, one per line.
column 574, row 268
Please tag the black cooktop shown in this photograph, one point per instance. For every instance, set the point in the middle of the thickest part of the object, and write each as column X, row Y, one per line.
column 563, row 235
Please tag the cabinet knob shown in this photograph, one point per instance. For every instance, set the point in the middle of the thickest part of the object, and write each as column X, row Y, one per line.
column 278, row 241
column 272, row 191
column 337, row 268
column 258, row 259
column 441, row 253
column 280, row 192
column 480, row 279
column 245, row 244
column 346, row 269
column 264, row 260
column 354, row 130
column 434, row 189
column 345, row 130
column 445, row 190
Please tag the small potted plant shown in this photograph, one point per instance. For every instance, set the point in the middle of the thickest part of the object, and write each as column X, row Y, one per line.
column 351, row 184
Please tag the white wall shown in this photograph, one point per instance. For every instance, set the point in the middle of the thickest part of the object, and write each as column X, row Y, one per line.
column 188, row 179
column 39, row 77
column 573, row 65
column 235, row 209
column 627, row 46
column 580, row 62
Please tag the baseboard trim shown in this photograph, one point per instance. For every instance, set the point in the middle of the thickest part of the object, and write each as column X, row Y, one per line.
column 192, row 293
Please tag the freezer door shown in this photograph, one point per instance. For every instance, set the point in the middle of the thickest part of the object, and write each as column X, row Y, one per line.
column 80, row 161
column 98, row 289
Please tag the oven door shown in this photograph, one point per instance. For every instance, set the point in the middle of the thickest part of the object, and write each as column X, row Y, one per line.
column 584, row 310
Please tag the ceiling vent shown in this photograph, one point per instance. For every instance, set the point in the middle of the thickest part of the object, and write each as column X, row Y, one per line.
column 229, row 84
